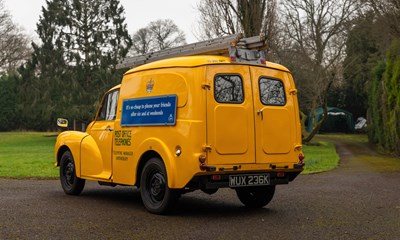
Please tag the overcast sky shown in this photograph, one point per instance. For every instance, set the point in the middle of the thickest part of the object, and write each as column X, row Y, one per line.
column 138, row 14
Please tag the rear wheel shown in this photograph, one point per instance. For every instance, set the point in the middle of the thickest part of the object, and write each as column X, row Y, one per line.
column 210, row 191
column 156, row 196
column 255, row 197
column 71, row 184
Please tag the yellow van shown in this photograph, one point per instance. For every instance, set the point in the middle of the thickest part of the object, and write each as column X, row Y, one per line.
column 190, row 123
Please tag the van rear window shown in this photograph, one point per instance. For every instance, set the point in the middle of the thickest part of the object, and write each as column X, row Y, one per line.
column 272, row 92
column 228, row 89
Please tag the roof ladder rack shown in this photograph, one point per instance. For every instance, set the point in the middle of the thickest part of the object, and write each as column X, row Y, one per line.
column 238, row 48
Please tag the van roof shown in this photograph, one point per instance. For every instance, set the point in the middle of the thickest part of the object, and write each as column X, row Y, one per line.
column 115, row 87
column 194, row 61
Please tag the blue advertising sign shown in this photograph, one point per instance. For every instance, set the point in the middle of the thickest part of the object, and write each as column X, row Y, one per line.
column 149, row 111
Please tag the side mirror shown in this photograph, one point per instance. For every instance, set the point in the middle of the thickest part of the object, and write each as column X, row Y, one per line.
column 62, row 122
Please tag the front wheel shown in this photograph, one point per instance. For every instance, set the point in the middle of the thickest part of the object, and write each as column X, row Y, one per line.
column 255, row 197
column 157, row 197
column 71, row 184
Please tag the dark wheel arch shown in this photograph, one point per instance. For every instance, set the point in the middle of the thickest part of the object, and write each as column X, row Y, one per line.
column 142, row 162
column 60, row 153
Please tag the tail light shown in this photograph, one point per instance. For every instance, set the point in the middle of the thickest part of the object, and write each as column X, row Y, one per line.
column 203, row 167
column 301, row 157
column 216, row 177
column 202, row 158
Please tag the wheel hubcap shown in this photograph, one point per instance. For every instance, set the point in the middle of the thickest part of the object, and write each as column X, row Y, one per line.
column 69, row 173
column 157, row 187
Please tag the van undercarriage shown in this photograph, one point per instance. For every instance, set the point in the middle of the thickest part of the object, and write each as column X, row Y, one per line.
column 236, row 180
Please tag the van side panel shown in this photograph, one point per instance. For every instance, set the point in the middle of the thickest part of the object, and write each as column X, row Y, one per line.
column 188, row 134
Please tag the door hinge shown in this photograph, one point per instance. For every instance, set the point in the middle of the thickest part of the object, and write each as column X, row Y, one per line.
column 207, row 148
column 293, row 91
column 298, row 147
column 206, row 86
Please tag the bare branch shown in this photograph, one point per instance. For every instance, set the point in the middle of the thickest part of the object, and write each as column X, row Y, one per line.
column 317, row 31
column 14, row 44
column 158, row 35
column 224, row 17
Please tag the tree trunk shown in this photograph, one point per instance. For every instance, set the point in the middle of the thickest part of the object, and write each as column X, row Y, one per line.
column 324, row 118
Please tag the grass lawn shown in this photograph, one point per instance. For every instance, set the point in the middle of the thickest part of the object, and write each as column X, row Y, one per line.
column 27, row 155
column 320, row 158
column 31, row 155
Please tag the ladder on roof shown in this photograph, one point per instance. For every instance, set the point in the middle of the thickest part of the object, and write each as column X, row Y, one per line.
column 238, row 48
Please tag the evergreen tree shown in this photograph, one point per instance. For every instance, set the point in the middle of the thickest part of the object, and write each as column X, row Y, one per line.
column 82, row 42
column 361, row 57
column 391, row 115
column 384, row 102
column 7, row 103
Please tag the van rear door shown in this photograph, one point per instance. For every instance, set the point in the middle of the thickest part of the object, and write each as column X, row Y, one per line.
column 252, row 116
column 275, row 104
column 230, row 118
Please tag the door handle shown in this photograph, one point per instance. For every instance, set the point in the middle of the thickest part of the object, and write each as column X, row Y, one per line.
column 260, row 112
column 109, row 129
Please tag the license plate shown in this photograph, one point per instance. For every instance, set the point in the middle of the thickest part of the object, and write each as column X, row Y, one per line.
column 249, row 180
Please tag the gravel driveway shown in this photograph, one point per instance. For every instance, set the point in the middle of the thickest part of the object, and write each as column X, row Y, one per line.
column 355, row 201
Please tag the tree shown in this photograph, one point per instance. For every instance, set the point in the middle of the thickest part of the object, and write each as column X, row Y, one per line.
column 82, row 42
column 225, row 17
column 315, row 33
column 89, row 33
column 362, row 53
column 7, row 103
column 142, row 41
column 388, row 12
column 14, row 45
column 166, row 34
column 375, row 109
column 384, row 101
column 158, row 35
column 377, row 48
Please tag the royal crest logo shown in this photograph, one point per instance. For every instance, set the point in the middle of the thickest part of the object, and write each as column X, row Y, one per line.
column 149, row 86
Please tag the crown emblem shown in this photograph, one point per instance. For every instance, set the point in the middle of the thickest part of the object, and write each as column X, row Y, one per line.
column 149, row 86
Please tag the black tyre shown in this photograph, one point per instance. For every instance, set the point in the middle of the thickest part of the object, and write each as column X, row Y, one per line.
column 255, row 197
column 71, row 184
column 156, row 196
column 210, row 191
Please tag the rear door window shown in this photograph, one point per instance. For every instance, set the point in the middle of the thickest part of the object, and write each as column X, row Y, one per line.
column 272, row 92
column 228, row 88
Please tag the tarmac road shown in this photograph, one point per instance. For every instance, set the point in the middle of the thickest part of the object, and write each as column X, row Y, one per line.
column 355, row 201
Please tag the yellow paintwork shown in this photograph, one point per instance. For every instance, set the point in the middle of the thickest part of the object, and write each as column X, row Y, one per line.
column 228, row 134
column 232, row 142
column 72, row 140
column 280, row 129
